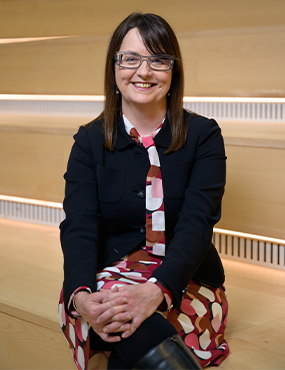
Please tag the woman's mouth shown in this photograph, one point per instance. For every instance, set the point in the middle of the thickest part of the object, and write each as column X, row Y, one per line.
column 143, row 85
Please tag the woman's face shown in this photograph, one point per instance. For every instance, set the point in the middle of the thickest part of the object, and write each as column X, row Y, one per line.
column 141, row 88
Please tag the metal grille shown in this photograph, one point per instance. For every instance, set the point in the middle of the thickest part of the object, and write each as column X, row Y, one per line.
column 51, row 216
column 250, row 250
column 261, row 112
column 51, row 107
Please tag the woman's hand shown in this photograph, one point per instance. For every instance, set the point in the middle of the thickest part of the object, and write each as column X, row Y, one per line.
column 141, row 301
column 92, row 306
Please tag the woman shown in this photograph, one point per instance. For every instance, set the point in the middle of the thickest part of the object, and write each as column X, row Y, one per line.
column 144, row 185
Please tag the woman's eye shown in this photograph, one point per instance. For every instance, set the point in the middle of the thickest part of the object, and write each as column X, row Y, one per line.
column 158, row 61
column 131, row 60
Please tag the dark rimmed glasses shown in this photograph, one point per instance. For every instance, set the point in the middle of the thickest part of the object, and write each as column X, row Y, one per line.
column 157, row 62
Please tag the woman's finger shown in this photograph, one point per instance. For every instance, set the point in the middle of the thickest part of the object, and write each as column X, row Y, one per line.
column 107, row 337
column 110, row 310
column 116, row 327
column 122, row 317
column 133, row 327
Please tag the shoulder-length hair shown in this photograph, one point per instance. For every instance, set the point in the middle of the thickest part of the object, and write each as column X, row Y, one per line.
column 159, row 38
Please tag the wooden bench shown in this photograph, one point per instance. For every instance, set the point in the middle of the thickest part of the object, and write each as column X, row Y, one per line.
column 31, row 278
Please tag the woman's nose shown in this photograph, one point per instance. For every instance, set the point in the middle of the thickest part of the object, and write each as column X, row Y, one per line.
column 144, row 69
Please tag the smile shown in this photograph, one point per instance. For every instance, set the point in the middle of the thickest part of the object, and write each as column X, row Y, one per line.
column 143, row 85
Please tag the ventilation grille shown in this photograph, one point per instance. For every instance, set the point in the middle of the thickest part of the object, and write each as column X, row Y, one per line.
column 251, row 250
column 45, row 215
column 52, row 107
column 247, row 249
column 262, row 110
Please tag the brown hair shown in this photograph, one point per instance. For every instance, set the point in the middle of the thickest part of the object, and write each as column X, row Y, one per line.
column 158, row 38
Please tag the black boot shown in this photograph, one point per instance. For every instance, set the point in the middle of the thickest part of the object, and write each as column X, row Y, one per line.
column 169, row 354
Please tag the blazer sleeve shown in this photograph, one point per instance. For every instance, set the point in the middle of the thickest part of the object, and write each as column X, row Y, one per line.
column 201, row 209
column 79, row 230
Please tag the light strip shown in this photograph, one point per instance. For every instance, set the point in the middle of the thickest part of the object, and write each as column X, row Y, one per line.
column 209, row 99
column 36, row 202
column 30, row 39
column 250, row 236
column 220, row 231
column 52, row 97
column 100, row 98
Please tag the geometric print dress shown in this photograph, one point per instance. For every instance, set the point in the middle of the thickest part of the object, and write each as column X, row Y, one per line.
column 201, row 318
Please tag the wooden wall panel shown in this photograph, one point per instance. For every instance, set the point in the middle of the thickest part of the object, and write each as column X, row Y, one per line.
column 244, row 62
column 70, row 66
column 216, row 64
column 254, row 200
column 232, row 48
column 34, row 18
column 33, row 162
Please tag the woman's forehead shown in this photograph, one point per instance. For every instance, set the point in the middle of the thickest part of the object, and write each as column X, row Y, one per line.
column 134, row 41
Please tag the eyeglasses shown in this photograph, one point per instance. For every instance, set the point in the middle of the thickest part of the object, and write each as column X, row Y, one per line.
column 159, row 62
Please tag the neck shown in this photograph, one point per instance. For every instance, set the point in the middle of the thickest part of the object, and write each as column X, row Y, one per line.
column 146, row 121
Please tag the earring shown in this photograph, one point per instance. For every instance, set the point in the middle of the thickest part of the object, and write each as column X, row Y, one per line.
column 168, row 94
column 117, row 92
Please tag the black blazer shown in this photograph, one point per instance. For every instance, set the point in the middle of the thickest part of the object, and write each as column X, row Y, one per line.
column 105, row 204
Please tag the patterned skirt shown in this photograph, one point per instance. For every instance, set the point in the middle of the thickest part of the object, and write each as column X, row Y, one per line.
column 200, row 321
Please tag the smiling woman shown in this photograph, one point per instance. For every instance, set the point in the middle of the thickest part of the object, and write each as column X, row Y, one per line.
column 154, row 36
column 142, row 88
column 144, row 185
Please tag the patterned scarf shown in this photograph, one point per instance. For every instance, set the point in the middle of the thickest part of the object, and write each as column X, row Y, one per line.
column 155, row 219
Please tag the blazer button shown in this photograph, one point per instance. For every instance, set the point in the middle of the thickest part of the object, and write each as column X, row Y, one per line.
column 184, row 292
column 141, row 193
column 142, row 229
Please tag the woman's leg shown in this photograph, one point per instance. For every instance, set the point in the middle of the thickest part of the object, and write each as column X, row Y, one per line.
column 152, row 332
column 115, row 362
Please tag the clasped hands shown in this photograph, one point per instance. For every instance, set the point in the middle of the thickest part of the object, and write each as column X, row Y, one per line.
column 116, row 313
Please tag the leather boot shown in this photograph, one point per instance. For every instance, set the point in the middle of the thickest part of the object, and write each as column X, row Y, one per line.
column 169, row 354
